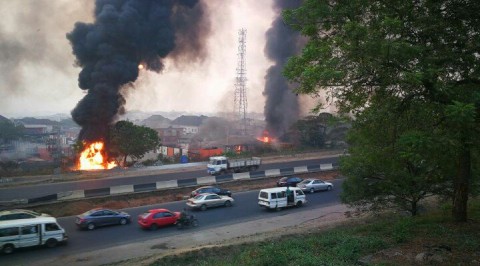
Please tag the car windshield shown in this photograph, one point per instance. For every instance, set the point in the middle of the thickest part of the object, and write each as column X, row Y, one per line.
column 145, row 215
column 87, row 213
column 198, row 197
column 304, row 182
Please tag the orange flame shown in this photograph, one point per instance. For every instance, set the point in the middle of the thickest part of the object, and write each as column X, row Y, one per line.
column 91, row 158
column 265, row 138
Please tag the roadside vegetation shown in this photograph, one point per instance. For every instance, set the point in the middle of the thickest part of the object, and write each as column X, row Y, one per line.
column 407, row 75
column 384, row 239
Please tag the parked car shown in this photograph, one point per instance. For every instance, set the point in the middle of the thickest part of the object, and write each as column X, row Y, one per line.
column 312, row 185
column 207, row 200
column 211, row 189
column 291, row 181
column 153, row 219
column 101, row 217
column 20, row 214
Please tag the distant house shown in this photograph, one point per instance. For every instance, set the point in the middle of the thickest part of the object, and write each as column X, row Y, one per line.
column 189, row 123
column 156, row 121
column 37, row 129
column 4, row 119
column 170, row 136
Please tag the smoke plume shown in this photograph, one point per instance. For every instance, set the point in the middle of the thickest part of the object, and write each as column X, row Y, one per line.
column 124, row 35
column 281, row 105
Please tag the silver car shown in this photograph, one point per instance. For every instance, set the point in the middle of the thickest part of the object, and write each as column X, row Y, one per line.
column 312, row 185
column 207, row 200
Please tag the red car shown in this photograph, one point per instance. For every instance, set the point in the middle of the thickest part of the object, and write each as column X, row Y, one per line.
column 153, row 219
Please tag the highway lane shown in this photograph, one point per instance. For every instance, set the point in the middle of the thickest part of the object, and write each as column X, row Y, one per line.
column 32, row 191
column 245, row 209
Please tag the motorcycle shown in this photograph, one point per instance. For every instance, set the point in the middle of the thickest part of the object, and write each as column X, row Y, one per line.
column 187, row 220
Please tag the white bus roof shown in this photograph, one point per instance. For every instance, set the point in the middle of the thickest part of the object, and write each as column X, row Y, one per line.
column 21, row 222
column 278, row 189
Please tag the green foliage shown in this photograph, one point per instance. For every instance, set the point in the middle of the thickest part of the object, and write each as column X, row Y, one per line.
column 409, row 73
column 402, row 230
column 344, row 245
column 78, row 147
column 127, row 139
column 9, row 131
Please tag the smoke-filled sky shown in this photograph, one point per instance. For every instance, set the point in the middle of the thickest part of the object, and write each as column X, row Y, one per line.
column 38, row 75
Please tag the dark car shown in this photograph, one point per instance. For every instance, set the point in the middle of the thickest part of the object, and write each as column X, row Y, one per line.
column 211, row 189
column 291, row 181
column 20, row 214
column 101, row 217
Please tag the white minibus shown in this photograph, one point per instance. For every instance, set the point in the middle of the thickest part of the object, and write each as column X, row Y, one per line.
column 30, row 232
column 281, row 197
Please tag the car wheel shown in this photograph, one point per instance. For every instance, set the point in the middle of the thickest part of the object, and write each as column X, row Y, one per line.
column 51, row 243
column 90, row 226
column 8, row 249
column 203, row 207
column 299, row 204
column 153, row 227
column 195, row 223
column 312, row 190
column 329, row 188
column 123, row 221
column 228, row 203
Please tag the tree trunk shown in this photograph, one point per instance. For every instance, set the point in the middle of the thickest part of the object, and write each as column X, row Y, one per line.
column 414, row 208
column 461, row 185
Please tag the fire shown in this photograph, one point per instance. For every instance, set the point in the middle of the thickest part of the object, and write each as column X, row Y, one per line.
column 265, row 138
column 91, row 158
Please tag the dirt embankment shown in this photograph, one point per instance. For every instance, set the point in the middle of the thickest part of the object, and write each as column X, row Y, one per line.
column 68, row 208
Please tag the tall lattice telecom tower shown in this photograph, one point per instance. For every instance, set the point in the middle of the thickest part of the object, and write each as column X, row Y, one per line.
column 240, row 99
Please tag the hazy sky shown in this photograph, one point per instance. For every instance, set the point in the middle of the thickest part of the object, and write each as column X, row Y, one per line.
column 38, row 74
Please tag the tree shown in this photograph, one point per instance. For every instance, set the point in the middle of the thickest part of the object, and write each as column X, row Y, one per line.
column 393, row 160
column 127, row 139
column 9, row 131
column 312, row 131
column 419, row 56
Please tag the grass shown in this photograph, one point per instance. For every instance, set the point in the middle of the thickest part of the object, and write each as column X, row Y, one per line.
column 345, row 244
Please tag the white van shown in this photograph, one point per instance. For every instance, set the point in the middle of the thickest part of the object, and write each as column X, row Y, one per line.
column 30, row 232
column 281, row 197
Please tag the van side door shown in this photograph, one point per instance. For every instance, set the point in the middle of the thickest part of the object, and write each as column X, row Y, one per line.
column 281, row 199
column 29, row 236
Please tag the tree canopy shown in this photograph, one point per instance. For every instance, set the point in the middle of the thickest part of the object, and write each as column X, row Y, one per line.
column 9, row 131
column 127, row 139
column 408, row 72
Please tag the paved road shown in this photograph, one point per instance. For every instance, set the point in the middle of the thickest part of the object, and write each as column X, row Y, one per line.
column 244, row 210
column 32, row 191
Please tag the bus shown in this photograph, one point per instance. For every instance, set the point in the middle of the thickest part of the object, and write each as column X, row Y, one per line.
column 40, row 231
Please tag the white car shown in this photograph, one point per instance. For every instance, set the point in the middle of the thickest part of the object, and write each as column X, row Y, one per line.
column 312, row 185
column 207, row 200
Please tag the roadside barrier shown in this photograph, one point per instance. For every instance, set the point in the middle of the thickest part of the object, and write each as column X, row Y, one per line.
column 207, row 180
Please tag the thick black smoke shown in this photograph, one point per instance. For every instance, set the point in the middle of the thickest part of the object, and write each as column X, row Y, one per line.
column 125, row 34
column 281, row 106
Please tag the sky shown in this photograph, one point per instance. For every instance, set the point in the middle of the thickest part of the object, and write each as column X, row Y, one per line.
column 38, row 75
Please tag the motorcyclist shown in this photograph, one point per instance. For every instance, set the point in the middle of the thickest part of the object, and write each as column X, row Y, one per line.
column 183, row 216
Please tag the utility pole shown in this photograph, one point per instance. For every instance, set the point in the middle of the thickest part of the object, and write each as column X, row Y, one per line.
column 240, row 99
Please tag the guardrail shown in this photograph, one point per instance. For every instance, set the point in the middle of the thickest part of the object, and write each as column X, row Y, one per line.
column 147, row 187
